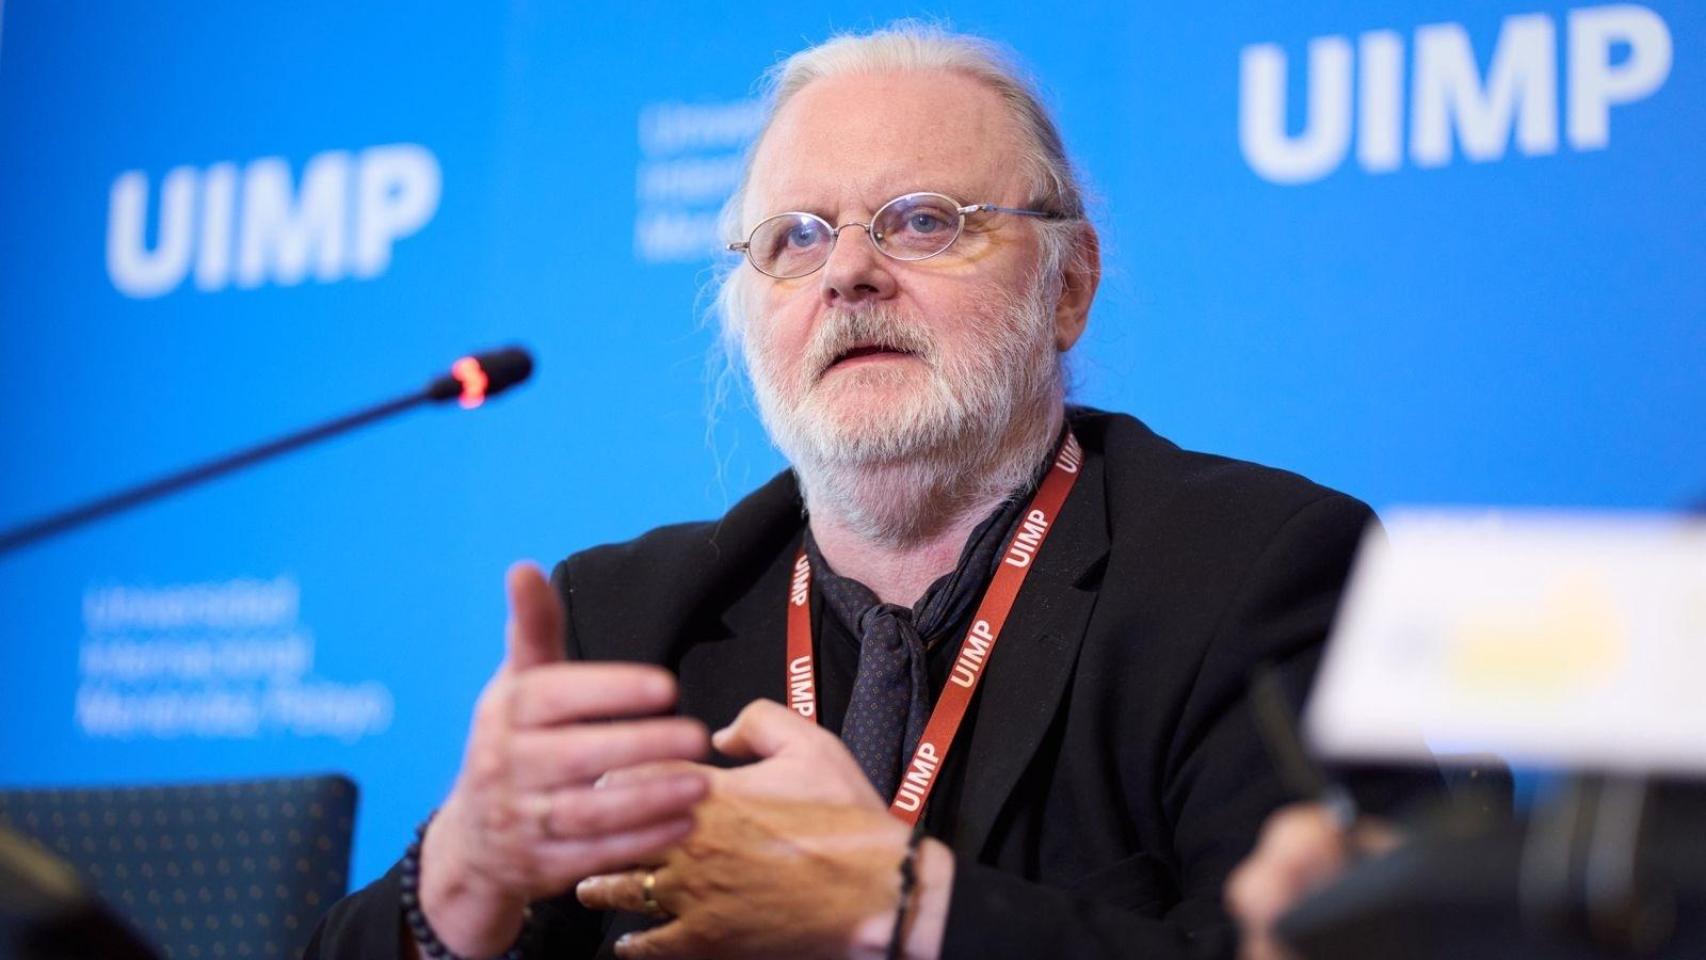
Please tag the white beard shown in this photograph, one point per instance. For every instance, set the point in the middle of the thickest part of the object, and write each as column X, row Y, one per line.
column 957, row 432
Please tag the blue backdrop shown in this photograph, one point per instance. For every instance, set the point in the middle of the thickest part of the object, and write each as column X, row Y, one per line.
column 1441, row 251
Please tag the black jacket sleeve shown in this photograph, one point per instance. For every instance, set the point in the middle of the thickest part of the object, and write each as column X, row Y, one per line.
column 368, row 925
column 365, row 924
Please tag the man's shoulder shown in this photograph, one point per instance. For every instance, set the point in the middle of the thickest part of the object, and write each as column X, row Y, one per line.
column 1209, row 549
column 1200, row 518
column 699, row 552
column 1148, row 473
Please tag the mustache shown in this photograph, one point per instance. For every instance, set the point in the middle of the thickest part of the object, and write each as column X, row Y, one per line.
column 842, row 331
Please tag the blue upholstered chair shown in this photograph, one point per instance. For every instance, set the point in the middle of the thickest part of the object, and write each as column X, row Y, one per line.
column 223, row 870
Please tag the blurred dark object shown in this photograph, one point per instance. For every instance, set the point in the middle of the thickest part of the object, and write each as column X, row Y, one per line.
column 248, row 866
column 1607, row 868
column 1480, row 786
column 46, row 914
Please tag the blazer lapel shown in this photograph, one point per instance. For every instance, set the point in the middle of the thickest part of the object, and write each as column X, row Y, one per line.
column 1028, row 672
column 721, row 674
column 727, row 658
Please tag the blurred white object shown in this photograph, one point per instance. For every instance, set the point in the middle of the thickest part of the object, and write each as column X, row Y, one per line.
column 1557, row 639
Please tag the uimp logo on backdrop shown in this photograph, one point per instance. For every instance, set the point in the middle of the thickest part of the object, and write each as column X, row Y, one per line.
column 257, row 224
column 1613, row 55
column 690, row 161
column 226, row 660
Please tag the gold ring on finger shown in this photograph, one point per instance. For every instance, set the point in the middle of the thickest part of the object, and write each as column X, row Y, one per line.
column 649, row 893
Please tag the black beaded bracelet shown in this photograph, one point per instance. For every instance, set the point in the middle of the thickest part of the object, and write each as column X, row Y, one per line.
column 415, row 918
column 908, row 884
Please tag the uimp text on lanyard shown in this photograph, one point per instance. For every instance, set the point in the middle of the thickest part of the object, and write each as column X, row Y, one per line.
column 919, row 777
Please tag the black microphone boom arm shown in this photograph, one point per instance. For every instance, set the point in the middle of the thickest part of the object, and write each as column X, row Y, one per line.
column 471, row 380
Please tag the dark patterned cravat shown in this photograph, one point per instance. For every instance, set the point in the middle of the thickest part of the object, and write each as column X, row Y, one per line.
column 891, row 697
column 891, row 694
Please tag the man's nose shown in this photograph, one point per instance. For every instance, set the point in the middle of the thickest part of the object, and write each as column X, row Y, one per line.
column 856, row 270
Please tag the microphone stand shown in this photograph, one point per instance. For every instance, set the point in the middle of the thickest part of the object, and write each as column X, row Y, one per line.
column 469, row 384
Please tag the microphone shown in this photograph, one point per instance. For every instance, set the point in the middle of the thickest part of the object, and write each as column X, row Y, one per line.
column 470, row 382
column 472, row 379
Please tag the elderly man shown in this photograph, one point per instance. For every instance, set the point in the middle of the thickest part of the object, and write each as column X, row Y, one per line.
column 1025, row 629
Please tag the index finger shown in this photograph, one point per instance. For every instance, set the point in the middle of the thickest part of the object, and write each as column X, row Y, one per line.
column 569, row 692
column 655, row 770
column 763, row 729
column 673, row 939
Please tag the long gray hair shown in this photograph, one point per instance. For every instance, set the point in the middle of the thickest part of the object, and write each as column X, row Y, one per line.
column 901, row 46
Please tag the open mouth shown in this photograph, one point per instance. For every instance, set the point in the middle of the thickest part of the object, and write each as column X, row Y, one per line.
column 867, row 353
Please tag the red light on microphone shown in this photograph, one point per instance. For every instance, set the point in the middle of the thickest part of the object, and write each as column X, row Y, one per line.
column 472, row 376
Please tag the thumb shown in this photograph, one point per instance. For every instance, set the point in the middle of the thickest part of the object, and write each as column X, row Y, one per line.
column 763, row 729
column 534, row 633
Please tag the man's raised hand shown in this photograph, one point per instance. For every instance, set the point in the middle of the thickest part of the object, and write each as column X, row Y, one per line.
column 527, row 817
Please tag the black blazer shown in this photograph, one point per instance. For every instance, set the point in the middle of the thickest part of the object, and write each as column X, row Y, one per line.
column 1109, row 774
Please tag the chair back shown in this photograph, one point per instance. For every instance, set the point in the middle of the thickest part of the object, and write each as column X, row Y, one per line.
column 236, row 869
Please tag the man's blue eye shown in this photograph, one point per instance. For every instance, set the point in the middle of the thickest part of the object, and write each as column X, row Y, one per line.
column 925, row 223
column 805, row 234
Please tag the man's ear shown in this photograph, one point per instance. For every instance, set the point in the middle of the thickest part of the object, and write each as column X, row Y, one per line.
column 1080, row 275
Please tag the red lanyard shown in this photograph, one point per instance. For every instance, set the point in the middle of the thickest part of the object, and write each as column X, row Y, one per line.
column 919, row 777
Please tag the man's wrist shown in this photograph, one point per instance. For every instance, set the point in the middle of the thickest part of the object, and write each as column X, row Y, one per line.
column 926, row 910
column 469, row 916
